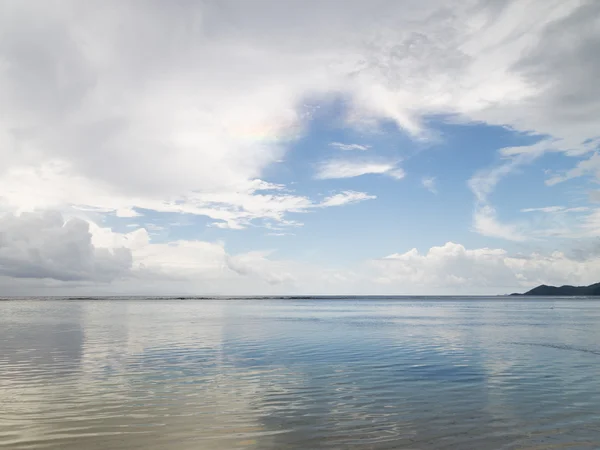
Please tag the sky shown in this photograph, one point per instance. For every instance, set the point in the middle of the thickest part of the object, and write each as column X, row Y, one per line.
column 261, row 147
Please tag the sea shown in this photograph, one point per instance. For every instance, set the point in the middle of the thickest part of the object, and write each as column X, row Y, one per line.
column 300, row 373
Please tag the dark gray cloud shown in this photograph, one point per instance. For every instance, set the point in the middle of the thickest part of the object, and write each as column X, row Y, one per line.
column 43, row 245
column 565, row 65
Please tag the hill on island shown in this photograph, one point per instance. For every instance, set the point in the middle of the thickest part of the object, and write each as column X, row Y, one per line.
column 565, row 291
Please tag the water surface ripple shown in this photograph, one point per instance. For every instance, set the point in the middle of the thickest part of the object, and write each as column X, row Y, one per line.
column 369, row 373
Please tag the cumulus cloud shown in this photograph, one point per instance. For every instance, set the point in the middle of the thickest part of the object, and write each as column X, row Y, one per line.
column 450, row 264
column 44, row 245
column 454, row 266
column 43, row 251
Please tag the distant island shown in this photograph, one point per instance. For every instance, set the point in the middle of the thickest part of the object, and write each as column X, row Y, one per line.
column 564, row 291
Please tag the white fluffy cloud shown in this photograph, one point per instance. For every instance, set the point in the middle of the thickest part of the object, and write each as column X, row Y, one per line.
column 44, row 246
column 454, row 267
column 43, row 251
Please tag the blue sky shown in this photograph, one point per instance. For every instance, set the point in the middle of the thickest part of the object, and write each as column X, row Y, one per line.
column 259, row 148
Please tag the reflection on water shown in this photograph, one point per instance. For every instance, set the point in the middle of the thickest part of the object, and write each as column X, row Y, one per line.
column 287, row 374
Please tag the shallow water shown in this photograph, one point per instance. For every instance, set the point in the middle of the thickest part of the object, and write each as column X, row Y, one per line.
column 300, row 374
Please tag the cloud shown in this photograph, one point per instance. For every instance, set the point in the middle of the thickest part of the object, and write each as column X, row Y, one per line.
column 486, row 223
column 556, row 209
column 573, row 223
column 484, row 181
column 562, row 63
column 233, row 207
column 347, row 147
column 590, row 226
column 482, row 184
column 154, row 227
column 185, row 108
column 450, row 264
column 485, row 216
column 590, row 166
column 44, row 245
column 191, row 261
column 126, row 212
column 186, row 120
column 238, row 210
column 429, row 184
column 43, row 251
column 397, row 173
column 546, row 209
column 343, row 168
column 453, row 266
column 345, row 198
column 236, row 207
column 548, row 222
column 595, row 196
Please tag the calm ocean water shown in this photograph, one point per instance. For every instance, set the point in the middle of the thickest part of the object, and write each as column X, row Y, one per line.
column 300, row 374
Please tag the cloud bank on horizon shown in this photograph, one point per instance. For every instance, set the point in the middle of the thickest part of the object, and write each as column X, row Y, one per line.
column 263, row 147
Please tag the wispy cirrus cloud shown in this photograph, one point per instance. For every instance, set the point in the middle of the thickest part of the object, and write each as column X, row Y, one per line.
column 345, row 198
column 556, row 209
column 482, row 184
column 590, row 166
column 349, row 147
column 345, row 168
